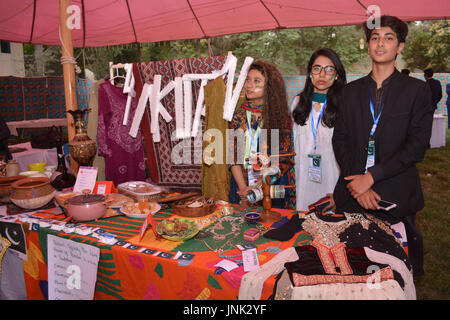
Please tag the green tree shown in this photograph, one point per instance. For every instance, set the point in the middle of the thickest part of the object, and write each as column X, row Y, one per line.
column 428, row 45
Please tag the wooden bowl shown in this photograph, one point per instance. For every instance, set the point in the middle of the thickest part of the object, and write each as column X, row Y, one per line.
column 187, row 208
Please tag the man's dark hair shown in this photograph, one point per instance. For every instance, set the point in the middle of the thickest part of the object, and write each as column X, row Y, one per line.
column 405, row 71
column 428, row 72
column 397, row 25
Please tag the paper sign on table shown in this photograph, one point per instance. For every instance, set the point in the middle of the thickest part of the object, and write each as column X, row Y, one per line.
column 86, row 178
column 72, row 269
column 250, row 259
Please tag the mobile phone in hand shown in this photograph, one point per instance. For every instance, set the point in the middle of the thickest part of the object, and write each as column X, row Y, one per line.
column 386, row 205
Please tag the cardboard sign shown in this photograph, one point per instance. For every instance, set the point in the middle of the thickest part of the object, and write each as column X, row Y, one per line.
column 72, row 269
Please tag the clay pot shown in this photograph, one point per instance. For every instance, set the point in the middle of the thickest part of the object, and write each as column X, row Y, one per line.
column 5, row 186
column 86, row 207
column 32, row 193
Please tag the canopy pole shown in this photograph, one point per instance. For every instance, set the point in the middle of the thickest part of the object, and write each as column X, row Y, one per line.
column 69, row 73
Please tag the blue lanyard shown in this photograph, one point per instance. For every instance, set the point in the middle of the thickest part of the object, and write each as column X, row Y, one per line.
column 375, row 121
column 316, row 129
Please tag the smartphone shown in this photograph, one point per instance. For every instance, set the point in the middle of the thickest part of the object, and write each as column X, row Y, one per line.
column 386, row 205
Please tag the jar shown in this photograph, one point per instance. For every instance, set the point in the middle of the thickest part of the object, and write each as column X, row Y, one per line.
column 12, row 168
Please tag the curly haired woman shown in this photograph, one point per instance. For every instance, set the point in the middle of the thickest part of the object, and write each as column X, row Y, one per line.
column 264, row 115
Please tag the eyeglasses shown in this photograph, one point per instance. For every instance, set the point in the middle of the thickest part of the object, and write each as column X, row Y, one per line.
column 317, row 69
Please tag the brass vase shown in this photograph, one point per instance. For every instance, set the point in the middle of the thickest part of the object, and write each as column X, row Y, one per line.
column 82, row 148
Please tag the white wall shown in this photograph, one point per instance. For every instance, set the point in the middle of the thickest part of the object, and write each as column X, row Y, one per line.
column 12, row 64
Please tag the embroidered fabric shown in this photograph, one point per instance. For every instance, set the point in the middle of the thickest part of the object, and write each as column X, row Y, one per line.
column 356, row 230
column 385, row 290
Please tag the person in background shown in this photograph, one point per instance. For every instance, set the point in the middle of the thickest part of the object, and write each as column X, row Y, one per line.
column 5, row 155
column 382, row 131
column 314, row 112
column 447, row 89
column 435, row 86
column 405, row 71
column 265, row 107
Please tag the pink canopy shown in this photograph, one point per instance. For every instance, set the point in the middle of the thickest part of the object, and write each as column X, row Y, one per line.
column 112, row 22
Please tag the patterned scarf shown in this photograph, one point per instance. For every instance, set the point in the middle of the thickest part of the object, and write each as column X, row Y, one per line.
column 248, row 105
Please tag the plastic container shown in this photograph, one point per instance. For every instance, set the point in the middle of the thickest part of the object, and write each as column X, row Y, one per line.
column 139, row 190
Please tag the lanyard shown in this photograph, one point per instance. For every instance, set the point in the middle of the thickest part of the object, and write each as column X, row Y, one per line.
column 251, row 142
column 316, row 128
column 375, row 121
column 372, row 111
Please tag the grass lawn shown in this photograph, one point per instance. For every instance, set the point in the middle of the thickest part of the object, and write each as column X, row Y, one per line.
column 434, row 223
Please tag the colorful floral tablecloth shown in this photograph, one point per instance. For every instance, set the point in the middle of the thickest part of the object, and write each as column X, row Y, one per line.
column 146, row 269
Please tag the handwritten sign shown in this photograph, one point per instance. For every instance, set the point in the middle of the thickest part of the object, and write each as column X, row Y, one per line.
column 85, row 179
column 72, row 269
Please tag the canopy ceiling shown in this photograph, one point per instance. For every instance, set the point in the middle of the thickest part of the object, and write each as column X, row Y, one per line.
column 113, row 22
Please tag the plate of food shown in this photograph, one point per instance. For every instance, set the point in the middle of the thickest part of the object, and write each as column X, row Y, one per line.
column 177, row 229
column 132, row 210
column 116, row 200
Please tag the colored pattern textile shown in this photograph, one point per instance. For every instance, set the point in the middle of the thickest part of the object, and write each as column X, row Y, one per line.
column 124, row 155
column 38, row 97
column 136, row 270
column 186, row 175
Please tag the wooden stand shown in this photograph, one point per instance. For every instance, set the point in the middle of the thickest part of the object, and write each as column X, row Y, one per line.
column 268, row 214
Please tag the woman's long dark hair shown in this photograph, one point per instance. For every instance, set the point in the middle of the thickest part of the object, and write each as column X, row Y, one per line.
column 303, row 108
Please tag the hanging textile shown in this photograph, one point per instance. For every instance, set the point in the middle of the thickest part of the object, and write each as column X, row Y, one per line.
column 162, row 170
column 215, row 177
column 99, row 161
column 124, row 155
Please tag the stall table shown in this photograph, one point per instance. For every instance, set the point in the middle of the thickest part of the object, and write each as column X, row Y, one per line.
column 37, row 123
column 146, row 269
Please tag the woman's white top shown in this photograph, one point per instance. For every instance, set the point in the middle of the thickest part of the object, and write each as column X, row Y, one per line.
column 308, row 191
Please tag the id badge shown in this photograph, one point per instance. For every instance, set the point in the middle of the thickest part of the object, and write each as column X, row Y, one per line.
column 253, row 176
column 370, row 154
column 315, row 168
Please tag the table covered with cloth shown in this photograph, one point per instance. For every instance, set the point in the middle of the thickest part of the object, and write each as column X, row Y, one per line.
column 150, row 268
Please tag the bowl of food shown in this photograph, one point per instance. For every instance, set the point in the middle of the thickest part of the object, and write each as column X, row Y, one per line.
column 131, row 209
column 177, row 229
column 32, row 193
column 37, row 166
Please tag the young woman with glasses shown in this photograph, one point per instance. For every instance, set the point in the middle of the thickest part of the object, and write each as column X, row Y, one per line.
column 314, row 112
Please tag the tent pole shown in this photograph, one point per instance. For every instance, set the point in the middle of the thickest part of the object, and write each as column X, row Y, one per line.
column 69, row 73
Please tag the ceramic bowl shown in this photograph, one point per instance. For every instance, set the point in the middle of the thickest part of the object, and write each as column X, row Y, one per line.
column 37, row 166
column 252, row 217
column 32, row 193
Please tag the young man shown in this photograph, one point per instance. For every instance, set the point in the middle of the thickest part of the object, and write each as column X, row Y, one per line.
column 382, row 131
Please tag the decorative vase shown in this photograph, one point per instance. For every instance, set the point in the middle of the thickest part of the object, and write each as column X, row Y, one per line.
column 82, row 148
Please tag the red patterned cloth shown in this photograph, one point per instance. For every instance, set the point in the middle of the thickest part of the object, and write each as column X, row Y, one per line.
column 185, row 176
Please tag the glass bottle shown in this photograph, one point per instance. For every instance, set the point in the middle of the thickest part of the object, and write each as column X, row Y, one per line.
column 61, row 178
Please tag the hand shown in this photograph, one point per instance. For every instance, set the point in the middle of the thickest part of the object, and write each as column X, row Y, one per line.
column 359, row 184
column 369, row 200
column 331, row 206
